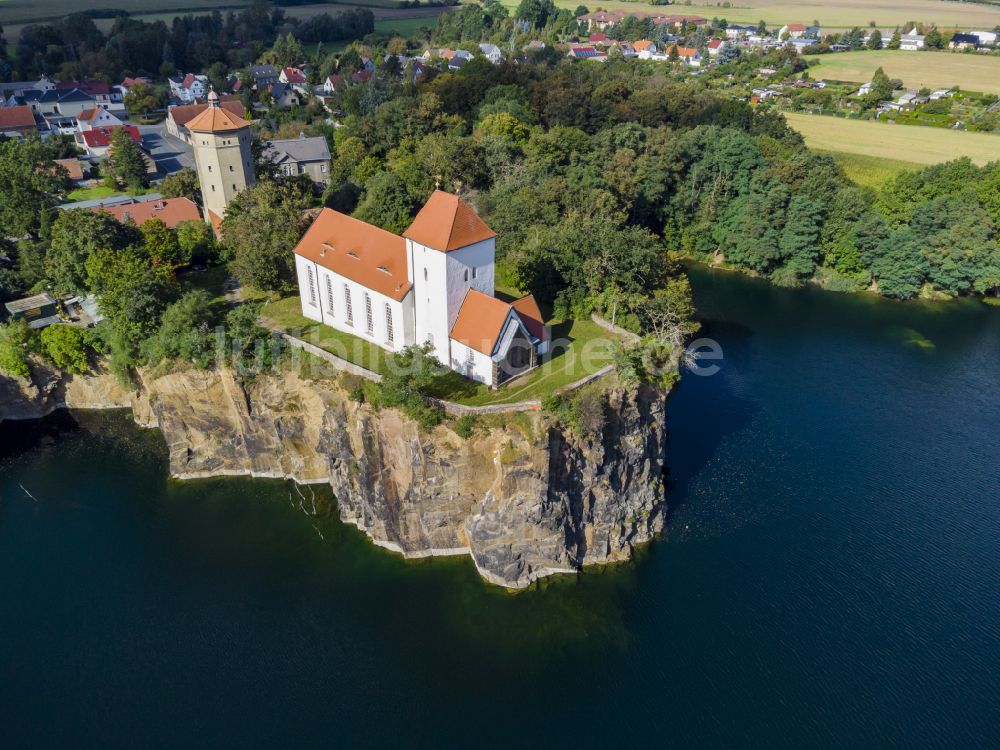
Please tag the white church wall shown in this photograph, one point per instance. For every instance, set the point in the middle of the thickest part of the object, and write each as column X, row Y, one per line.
column 307, row 275
column 469, row 268
column 430, row 290
column 474, row 365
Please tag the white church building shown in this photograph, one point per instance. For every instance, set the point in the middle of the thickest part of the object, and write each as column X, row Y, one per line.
column 434, row 284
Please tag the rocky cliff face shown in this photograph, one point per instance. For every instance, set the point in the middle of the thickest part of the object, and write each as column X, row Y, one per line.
column 525, row 497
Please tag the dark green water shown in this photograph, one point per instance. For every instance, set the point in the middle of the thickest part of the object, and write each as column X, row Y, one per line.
column 831, row 576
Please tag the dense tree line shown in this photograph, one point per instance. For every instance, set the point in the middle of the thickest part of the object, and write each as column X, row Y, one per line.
column 594, row 176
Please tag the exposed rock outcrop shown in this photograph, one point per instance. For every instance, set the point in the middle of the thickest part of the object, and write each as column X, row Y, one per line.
column 524, row 496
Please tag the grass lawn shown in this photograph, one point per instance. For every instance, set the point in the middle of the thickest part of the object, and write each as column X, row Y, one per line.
column 404, row 26
column 579, row 349
column 922, row 145
column 286, row 314
column 99, row 191
column 935, row 70
column 871, row 171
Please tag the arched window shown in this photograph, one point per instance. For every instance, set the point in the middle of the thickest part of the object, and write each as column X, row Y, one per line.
column 369, row 319
column 329, row 295
column 466, row 274
column 425, row 273
column 312, row 285
column 349, row 309
column 388, row 323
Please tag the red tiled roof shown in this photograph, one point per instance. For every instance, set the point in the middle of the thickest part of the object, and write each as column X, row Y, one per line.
column 480, row 321
column 184, row 113
column 73, row 168
column 171, row 211
column 294, row 75
column 89, row 86
column 17, row 118
column 715, row 44
column 446, row 222
column 216, row 120
column 101, row 137
column 796, row 27
column 372, row 257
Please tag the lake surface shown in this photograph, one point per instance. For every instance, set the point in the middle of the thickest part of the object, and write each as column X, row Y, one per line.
column 830, row 577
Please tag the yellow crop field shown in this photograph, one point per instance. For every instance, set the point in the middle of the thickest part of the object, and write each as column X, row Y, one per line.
column 910, row 143
column 834, row 15
column 916, row 69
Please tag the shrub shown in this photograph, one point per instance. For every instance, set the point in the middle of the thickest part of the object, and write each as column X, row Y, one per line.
column 66, row 347
column 14, row 349
column 465, row 426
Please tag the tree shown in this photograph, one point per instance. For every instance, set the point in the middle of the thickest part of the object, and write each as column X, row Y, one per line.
column 882, row 87
column 728, row 53
column 143, row 98
column 536, row 13
column 126, row 163
column 66, row 347
column 197, row 242
column 761, row 28
column 14, row 338
column 184, row 333
column 875, row 40
column 75, row 236
column 182, row 184
column 28, row 185
column 262, row 225
column 895, row 41
column 898, row 265
column 386, row 203
column 933, row 39
column 162, row 247
column 410, row 379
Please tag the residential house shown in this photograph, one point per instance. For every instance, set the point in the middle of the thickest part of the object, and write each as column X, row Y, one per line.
column 302, row 155
column 104, row 96
column 171, row 211
column 598, row 39
column 586, row 52
column 38, row 311
column 129, row 82
column 911, row 41
column 189, row 88
column 645, row 49
column 333, row 84
column 986, row 38
column 179, row 116
column 964, row 41
column 735, row 31
column 89, row 119
column 687, row 55
column 292, row 76
column 264, row 76
column 74, row 170
column 433, row 284
column 491, row 52
column 19, row 119
column 940, row 94
column 97, row 140
column 535, row 45
column 285, row 95
column 793, row 30
column 864, row 90
column 66, row 103
column 714, row 47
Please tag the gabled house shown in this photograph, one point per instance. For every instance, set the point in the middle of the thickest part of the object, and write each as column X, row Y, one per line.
column 292, row 76
column 491, row 52
column 285, row 95
column 128, row 82
column 585, row 52
column 19, row 119
column 794, row 30
column 432, row 285
column 964, row 41
column 74, row 170
column 89, row 119
column 645, row 49
column 264, row 76
column 911, row 41
column 171, row 211
column 188, row 88
column 333, row 84
column 302, row 155
column 714, row 47
column 38, row 311
column 104, row 96
column 687, row 55
column 97, row 140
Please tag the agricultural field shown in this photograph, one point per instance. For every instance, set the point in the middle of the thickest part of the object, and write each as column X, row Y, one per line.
column 834, row 16
column 871, row 171
column 21, row 11
column 920, row 145
column 916, row 69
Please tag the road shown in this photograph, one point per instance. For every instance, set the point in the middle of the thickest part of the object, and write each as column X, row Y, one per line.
column 171, row 155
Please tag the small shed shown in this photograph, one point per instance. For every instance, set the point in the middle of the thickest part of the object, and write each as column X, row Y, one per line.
column 39, row 311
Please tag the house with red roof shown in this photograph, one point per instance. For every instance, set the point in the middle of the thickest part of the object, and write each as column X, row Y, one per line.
column 171, row 211
column 96, row 117
column 97, row 140
column 20, row 119
column 292, row 76
column 714, row 47
column 186, row 89
column 434, row 284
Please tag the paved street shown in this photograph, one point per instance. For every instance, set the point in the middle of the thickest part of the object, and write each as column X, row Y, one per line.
column 171, row 154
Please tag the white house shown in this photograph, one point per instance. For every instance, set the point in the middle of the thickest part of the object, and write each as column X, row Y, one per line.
column 491, row 52
column 988, row 38
column 188, row 88
column 911, row 41
column 96, row 117
column 434, row 284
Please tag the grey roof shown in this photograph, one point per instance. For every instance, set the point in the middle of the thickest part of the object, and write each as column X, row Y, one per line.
column 263, row 71
column 299, row 149
column 112, row 200
column 29, row 303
